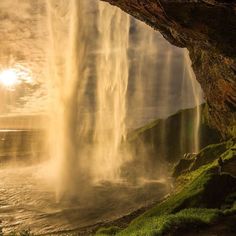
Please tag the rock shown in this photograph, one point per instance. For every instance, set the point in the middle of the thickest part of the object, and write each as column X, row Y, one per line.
column 230, row 167
column 225, row 151
column 217, row 189
column 182, row 166
column 209, row 154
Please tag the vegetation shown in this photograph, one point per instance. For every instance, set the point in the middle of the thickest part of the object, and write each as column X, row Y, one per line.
column 113, row 230
column 177, row 132
column 171, row 222
column 196, row 201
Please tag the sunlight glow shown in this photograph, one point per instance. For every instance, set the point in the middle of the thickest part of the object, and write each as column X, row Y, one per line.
column 14, row 76
column 9, row 78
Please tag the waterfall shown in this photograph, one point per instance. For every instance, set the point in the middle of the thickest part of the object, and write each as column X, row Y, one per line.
column 112, row 81
column 151, row 64
column 86, row 135
column 68, row 77
column 88, row 83
column 196, row 92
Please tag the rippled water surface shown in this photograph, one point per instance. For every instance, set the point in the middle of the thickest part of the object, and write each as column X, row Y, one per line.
column 27, row 201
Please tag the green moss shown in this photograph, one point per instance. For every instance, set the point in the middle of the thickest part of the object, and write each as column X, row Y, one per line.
column 195, row 197
column 135, row 134
column 230, row 203
column 207, row 158
column 166, row 223
column 113, row 230
column 184, row 219
column 210, row 153
column 170, row 213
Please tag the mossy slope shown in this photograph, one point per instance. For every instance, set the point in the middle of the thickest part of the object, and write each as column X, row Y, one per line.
column 170, row 138
column 202, row 198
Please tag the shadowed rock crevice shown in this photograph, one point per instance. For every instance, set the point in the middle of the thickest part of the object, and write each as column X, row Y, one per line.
column 208, row 30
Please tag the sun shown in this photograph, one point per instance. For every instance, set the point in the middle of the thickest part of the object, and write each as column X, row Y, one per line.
column 9, row 78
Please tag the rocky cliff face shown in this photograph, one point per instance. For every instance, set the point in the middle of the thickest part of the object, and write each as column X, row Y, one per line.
column 207, row 28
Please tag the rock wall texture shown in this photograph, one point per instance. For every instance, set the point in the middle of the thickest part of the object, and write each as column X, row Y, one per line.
column 207, row 28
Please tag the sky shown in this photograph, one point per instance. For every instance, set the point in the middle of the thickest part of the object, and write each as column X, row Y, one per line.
column 22, row 48
column 157, row 69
